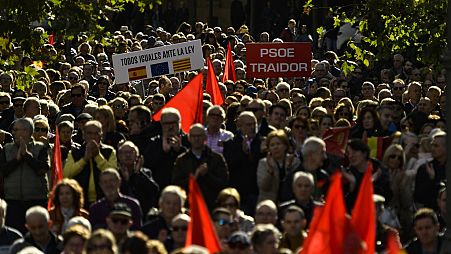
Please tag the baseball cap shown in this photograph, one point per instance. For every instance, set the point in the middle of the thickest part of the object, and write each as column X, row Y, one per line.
column 121, row 209
column 239, row 238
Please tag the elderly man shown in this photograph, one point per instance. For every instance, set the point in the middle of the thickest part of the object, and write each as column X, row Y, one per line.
column 137, row 181
column 207, row 166
column 110, row 182
column 258, row 107
column 141, row 126
column 39, row 234
column 85, row 163
column 172, row 200
column 216, row 136
column 119, row 222
column 162, row 150
column 242, row 154
column 78, row 95
column 266, row 212
column 24, row 165
column 431, row 173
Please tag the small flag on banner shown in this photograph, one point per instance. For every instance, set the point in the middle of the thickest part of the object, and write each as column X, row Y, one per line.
column 137, row 73
column 182, row 65
column 159, row 69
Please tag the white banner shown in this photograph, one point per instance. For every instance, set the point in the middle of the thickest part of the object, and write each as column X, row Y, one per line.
column 158, row 61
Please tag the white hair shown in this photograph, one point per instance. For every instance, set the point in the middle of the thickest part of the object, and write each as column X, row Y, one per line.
column 169, row 111
column 37, row 210
column 301, row 174
column 311, row 144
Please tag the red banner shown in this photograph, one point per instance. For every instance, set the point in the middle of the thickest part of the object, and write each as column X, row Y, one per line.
column 288, row 59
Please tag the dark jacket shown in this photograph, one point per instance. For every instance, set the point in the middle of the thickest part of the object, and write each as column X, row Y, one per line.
column 25, row 179
column 161, row 162
column 414, row 247
column 143, row 187
column 211, row 183
column 426, row 189
column 8, row 236
column 55, row 245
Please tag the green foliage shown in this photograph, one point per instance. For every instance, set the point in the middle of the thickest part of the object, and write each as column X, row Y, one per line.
column 24, row 79
column 414, row 28
column 68, row 17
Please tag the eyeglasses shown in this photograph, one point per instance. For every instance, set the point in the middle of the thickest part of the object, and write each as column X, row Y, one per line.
column 77, row 95
column 179, row 228
column 37, row 129
column 224, row 222
column 119, row 106
column 299, row 126
column 393, row 156
column 119, row 220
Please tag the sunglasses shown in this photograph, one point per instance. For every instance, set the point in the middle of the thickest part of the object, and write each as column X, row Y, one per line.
column 78, row 95
column 392, row 156
column 37, row 129
column 179, row 228
column 119, row 220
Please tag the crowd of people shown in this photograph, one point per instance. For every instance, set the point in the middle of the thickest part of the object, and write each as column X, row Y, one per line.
column 260, row 158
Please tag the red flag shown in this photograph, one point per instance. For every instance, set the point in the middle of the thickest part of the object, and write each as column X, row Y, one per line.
column 364, row 212
column 329, row 226
column 57, row 167
column 336, row 140
column 51, row 39
column 201, row 230
column 229, row 68
column 212, row 86
column 393, row 244
column 189, row 101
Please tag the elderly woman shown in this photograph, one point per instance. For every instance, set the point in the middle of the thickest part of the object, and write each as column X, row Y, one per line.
column 67, row 202
column 273, row 169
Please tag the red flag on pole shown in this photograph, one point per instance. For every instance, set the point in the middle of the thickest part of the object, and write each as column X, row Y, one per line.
column 393, row 244
column 201, row 230
column 57, row 167
column 364, row 212
column 189, row 101
column 229, row 68
column 212, row 86
column 51, row 39
column 336, row 140
column 329, row 226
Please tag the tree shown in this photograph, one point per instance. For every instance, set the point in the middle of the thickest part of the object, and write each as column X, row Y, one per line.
column 414, row 28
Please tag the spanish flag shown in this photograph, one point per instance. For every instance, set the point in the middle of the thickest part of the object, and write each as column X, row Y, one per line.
column 378, row 145
column 181, row 65
column 137, row 73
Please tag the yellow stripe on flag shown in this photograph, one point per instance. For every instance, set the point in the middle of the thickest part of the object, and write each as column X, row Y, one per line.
column 182, row 65
column 137, row 73
column 372, row 143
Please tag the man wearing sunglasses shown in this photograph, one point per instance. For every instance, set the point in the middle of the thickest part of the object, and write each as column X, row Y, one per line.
column 78, row 101
column 119, row 222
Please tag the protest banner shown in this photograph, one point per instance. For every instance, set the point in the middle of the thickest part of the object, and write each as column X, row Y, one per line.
column 153, row 62
column 288, row 59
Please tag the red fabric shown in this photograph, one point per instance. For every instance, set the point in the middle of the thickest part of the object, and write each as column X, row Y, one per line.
column 57, row 167
column 336, row 140
column 212, row 86
column 201, row 230
column 51, row 39
column 364, row 212
column 229, row 68
column 329, row 226
column 189, row 101
column 393, row 244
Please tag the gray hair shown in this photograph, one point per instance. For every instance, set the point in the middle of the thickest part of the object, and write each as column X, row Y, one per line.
column 169, row 111
column 130, row 144
column 301, row 174
column 37, row 210
column 216, row 107
column 311, row 145
column 176, row 190
column 27, row 123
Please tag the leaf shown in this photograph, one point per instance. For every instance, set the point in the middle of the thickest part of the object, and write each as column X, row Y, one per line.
column 366, row 62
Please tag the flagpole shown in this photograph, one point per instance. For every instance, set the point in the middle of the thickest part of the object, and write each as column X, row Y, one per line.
column 446, row 247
